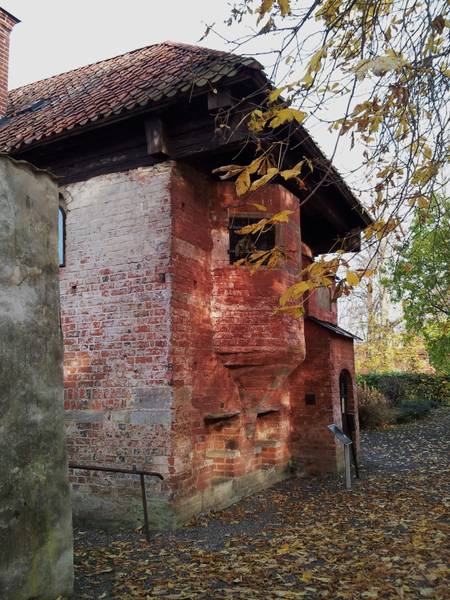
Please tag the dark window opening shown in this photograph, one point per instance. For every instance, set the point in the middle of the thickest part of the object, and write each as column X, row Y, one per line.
column 310, row 399
column 61, row 237
column 242, row 246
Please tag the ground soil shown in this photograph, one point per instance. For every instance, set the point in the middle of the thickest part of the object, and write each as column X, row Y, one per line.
column 304, row 538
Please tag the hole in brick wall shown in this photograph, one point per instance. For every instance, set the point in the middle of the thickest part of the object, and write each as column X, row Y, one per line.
column 266, row 413
column 231, row 445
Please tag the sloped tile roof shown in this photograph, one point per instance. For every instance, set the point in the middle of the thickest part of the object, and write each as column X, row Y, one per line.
column 105, row 89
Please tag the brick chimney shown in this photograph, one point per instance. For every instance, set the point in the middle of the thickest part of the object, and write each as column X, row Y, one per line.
column 7, row 22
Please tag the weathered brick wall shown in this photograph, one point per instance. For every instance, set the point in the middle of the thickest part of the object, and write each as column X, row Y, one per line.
column 115, row 297
column 175, row 360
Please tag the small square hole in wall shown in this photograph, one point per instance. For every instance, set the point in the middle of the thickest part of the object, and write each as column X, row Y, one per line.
column 241, row 246
column 310, row 399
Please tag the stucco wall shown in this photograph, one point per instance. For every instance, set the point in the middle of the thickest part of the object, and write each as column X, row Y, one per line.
column 35, row 512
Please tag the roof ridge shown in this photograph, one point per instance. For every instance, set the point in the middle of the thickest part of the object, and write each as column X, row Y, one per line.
column 171, row 43
column 96, row 62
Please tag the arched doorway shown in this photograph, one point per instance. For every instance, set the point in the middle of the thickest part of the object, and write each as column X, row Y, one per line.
column 346, row 399
column 347, row 411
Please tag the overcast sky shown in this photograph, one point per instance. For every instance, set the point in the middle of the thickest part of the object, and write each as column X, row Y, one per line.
column 59, row 35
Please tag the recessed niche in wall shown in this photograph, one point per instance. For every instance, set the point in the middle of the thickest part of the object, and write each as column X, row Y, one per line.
column 268, row 412
column 220, row 418
column 222, row 443
column 268, row 424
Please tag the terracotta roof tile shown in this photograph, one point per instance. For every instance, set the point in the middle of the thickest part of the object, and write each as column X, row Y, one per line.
column 100, row 90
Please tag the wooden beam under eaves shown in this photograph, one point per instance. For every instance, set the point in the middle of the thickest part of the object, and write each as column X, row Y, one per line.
column 156, row 136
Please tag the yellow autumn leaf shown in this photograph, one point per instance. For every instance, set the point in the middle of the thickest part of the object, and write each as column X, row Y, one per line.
column 243, row 182
column 264, row 179
column 229, row 170
column 294, row 172
column 316, row 60
column 297, row 310
column 295, row 291
column 260, row 207
column 265, row 7
column 276, row 93
column 253, row 227
column 255, row 164
column 308, row 79
column 285, row 7
column 282, row 216
column 369, row 272
column 287, row 115
column 352, row 278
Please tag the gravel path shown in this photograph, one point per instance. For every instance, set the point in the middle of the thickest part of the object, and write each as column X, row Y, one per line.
column 302, row 538
column 411, row 446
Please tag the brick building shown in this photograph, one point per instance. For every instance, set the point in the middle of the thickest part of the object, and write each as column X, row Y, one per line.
column 174, row 358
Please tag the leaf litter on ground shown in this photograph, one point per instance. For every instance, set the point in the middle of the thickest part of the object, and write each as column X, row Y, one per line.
column 304, row 538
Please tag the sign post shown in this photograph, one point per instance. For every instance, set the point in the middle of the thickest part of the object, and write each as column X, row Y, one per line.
column 347, row 442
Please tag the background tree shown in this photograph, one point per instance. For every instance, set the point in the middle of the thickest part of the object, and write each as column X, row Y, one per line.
column 420, row 278
column 372, row 314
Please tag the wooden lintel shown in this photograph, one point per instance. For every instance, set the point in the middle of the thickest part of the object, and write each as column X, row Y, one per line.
column 156, row 136
column 219, row 99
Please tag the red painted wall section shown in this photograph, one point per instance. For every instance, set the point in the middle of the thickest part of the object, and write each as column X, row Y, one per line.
column 231, row 355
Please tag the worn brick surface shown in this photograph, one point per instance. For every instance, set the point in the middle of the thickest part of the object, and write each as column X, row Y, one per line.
column 115, row 317
column 175, row 359
column 7, row 22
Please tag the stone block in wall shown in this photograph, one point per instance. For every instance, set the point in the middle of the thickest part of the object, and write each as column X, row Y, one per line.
column 35, row 511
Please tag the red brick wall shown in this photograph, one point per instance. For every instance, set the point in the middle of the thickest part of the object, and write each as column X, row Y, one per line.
column 174, row 358
column 7, row 22
column 313, row 446
column 231, row 355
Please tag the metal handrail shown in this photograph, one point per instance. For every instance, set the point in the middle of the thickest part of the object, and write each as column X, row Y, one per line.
column 139, row 472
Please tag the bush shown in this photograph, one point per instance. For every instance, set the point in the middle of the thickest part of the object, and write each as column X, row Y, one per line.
column 373, row 408
column 387, row 398
column 410, row 388
column 409, row 411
